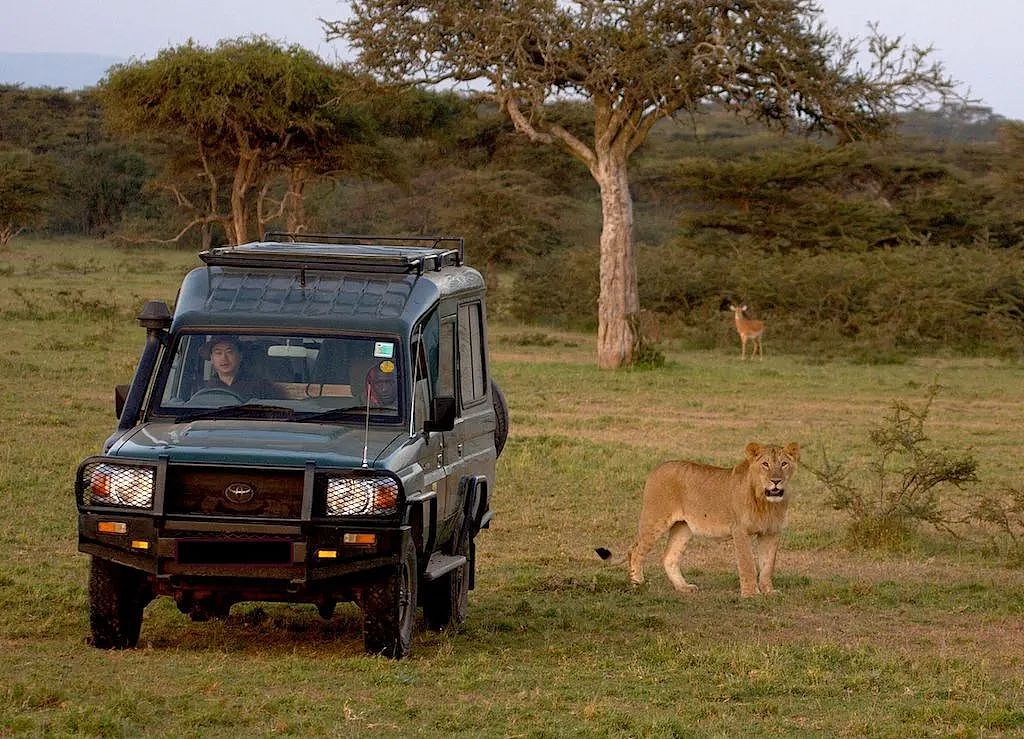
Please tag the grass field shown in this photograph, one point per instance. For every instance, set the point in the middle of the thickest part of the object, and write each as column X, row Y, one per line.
column 928, row 640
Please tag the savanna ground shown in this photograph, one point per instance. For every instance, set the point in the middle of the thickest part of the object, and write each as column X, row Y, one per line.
column 924, row 640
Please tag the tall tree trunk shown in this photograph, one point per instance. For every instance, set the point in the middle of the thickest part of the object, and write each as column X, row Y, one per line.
column 245, row 171
column 617, row 132
column 295, row 200
column 7, row 232
column 618, row 306
column 491, row 275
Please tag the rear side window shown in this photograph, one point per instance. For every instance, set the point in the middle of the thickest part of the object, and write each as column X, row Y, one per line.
column 473, row 373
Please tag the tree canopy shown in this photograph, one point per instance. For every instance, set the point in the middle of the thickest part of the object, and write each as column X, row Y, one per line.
column 235, row 117
column 638, row 61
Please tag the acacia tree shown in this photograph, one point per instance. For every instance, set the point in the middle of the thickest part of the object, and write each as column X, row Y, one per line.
column 235, row 117
column 638, row 61
column 314, row 160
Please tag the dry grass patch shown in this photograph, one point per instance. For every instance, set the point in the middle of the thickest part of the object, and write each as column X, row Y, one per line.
column 921, row 642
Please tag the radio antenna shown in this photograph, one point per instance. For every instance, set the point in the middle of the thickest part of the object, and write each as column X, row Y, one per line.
column 366, row 427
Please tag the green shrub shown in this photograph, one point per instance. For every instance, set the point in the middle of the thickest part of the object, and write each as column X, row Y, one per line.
column 648, row 355
column 902, row 485
column 559, row 289
column 877, row 305
column 1004, row 513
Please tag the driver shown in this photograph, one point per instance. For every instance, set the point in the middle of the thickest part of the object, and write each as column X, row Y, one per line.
column 230, row 373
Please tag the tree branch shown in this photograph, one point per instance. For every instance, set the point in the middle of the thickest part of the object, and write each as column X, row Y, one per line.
column 152, row 240
column 556, row 135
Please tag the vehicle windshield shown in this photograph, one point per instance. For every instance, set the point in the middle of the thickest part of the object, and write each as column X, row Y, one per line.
column 302, row 378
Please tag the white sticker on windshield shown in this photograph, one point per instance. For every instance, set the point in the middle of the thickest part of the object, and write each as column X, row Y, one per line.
column 384, row 349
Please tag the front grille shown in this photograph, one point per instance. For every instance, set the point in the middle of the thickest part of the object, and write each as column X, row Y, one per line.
column 184, row 535
column 240, row 492
column 250, row 552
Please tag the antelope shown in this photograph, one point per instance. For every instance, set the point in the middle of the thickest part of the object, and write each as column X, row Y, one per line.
column 748, row 329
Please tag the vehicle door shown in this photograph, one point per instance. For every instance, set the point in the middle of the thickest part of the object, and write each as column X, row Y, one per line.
column 446, row 385
column 433, row 375
column 474, row 427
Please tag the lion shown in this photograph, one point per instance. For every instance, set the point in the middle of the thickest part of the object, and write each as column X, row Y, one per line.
column 747, row 503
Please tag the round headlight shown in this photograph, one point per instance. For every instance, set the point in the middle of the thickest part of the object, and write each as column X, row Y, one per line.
column 361, row 496
column 111, row 484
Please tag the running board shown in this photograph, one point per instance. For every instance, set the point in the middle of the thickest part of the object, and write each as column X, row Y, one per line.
column 441, row 564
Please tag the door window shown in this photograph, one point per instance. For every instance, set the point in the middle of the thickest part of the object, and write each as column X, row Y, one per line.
column 473, row 378
column 445, row 383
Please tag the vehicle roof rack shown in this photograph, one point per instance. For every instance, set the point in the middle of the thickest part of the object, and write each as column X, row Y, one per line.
column 343, row 252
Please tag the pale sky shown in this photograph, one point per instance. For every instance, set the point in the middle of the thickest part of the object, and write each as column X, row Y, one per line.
column 979, row 42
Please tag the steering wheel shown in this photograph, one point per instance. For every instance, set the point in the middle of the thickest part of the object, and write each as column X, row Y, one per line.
column 217, row 395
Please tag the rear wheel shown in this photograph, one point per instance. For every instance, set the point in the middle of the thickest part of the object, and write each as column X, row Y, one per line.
column 389, row 609
column 117, row 597
column 501, row 418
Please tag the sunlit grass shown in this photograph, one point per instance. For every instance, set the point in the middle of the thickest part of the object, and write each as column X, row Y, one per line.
column 923, row 641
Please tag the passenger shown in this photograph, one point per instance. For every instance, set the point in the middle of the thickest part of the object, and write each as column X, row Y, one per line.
column 382, row 385
column 225, row 355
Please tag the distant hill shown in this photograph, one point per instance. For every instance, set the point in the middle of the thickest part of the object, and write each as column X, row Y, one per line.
column 56, row 69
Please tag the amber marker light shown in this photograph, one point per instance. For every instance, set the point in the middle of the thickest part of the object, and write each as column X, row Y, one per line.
column 360, row 538
column 112, row 527
column 327, row 553
column 385, row 496
column 138, row 544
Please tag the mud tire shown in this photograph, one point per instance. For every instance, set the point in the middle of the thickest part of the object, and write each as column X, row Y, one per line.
column 117, row 597
column 389, row 609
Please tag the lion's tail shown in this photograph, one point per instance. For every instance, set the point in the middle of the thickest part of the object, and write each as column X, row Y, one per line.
column 606, row 554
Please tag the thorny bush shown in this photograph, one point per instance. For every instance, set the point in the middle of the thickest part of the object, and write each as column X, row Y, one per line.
column 903, row 484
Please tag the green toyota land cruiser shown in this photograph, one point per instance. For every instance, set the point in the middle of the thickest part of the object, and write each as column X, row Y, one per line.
column 315, row 423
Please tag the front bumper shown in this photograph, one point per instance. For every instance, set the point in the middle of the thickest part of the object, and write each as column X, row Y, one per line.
column 264, row 561
column 298, row 557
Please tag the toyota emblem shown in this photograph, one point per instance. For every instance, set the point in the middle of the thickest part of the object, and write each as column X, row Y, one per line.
column 239, row 492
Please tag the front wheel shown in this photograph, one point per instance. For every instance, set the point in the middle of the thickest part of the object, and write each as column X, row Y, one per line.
column 117, row 597
column 389, row 609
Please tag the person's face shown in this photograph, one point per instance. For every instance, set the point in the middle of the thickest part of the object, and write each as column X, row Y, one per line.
column 383, row 386
column 225, row 359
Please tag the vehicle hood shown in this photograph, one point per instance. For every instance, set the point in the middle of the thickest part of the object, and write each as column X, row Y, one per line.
column 248, row 442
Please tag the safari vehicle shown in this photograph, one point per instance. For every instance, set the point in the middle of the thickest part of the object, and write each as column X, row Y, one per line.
column 350, row 457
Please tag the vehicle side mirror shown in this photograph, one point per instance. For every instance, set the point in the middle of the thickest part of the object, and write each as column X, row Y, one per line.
column 442, row 414
column 120, row 396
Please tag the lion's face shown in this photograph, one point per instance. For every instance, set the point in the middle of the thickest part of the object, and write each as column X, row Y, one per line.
column 772, row 466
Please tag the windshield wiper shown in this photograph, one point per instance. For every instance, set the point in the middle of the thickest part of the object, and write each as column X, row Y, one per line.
column 246, row 410
column 339, row 413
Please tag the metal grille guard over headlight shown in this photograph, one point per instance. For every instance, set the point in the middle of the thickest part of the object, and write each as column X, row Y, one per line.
column 116, row 483
column 328, row 493
column 361, row 496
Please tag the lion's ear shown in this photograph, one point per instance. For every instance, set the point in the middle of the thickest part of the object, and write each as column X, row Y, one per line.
column 752, row 450
column 793, row 450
